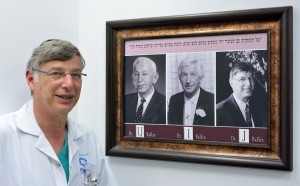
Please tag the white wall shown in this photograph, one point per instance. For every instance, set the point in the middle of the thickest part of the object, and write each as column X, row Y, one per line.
column 137, row 172
column 25, row 24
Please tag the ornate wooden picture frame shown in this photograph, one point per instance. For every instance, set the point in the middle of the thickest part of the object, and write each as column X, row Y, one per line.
column 260, row 38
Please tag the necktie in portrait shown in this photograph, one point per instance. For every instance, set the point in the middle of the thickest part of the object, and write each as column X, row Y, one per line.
column 139, row 112
column 248, row 116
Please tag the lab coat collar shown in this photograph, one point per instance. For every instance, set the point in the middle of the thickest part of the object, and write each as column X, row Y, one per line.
column 27, row 123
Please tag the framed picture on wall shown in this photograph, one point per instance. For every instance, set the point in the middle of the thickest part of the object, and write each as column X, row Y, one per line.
column 209, row 88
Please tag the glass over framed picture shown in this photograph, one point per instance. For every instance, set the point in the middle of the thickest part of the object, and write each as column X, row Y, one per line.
column 204, row 88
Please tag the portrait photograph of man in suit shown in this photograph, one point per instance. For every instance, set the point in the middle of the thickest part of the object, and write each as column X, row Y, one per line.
column 145, row 100
column 244, row 102
column 191, row 103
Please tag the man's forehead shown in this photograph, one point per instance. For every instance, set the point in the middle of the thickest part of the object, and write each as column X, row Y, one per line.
column 62, row 65
column 190, row 67
column 142, row 65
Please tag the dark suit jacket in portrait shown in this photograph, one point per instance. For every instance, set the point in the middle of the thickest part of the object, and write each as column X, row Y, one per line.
column 205, row 102
column 229, row 113
column 155, row 112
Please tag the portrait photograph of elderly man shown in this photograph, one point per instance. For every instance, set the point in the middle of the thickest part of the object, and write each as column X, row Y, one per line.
column 145, row 100
column 191, row 101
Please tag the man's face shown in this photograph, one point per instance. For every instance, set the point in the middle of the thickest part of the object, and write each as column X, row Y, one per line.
column 190, row 79
column 143, row 78
column 56, row 96
column 242, row 84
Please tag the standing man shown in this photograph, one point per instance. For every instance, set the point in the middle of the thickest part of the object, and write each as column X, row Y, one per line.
column 147, row 105
column 193, row 106
column 240, row 108
column 40, row 144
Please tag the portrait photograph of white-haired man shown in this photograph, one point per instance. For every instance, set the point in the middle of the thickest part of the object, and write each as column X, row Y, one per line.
column 191, row 88
column 145, row 100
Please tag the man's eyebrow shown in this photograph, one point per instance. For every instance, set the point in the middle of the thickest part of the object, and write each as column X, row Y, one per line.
column 56, row 68
column 62, row 69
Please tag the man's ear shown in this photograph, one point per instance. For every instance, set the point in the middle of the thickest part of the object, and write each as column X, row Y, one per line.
column 30, row 80
column 155, row 77
column 230, row 82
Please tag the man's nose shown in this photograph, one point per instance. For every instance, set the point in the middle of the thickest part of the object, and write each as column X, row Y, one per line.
column 248, row 81
column 188, row 79
column 68, row 81
column 140, row 78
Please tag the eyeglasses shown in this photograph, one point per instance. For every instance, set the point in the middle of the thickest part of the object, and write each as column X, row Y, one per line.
column 56, row 75
column 242, row 80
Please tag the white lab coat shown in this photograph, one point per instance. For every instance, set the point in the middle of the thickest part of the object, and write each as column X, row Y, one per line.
column 27, row 158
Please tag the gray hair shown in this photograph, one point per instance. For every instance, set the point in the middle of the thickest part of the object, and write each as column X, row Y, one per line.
column 53, row 49
column 191, row 61
column 145, row 59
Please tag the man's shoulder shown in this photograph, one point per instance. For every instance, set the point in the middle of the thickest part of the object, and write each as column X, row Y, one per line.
column 7, row 117
column 12, row 117
column 206, row 93
column 159, row 96
column 176, row 99
column 86, row 138
column 179, row 95
column 206, row 97
column 131, row 95
column 78, row 129
column 77, row 126
column 224, row 103
column 8, row 124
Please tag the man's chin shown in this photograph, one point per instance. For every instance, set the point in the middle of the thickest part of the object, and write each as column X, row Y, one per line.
column 141, row 91
column 247, row 94
column 189, row 90
column 65, row 109
column 189, row 94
